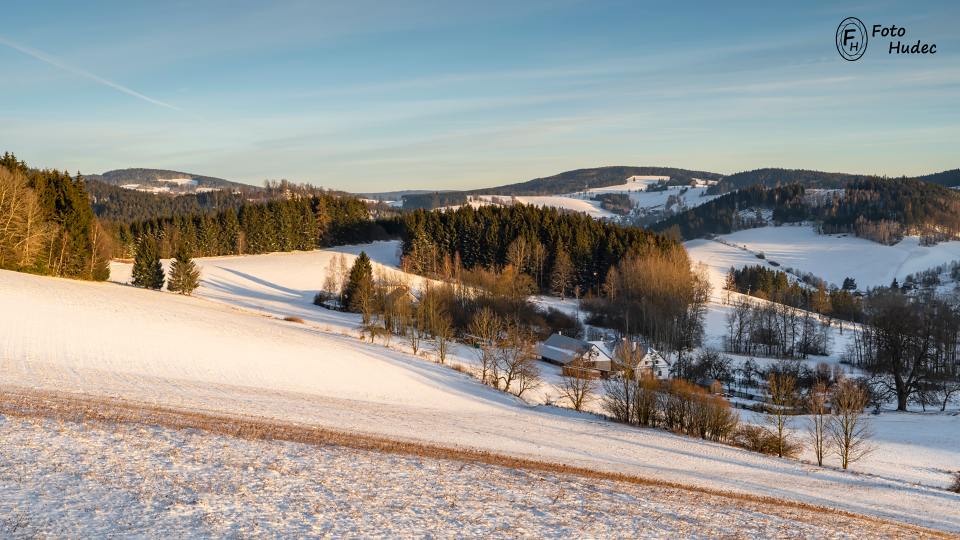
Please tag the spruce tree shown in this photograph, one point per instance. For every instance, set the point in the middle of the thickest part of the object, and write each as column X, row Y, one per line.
column 359, row 285
column 147, row 270
column 184, row 274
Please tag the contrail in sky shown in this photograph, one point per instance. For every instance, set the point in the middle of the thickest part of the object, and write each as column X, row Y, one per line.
column 43, row 57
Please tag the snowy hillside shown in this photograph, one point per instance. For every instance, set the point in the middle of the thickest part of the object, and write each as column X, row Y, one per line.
column 67, row 479
column 830, row 257
column 646, row 200
column 228, row 350
column 164, row 181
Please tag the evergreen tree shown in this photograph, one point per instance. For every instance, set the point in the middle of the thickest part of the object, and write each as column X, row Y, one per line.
column 147, row 270
column 359, row 285
column 184, row 274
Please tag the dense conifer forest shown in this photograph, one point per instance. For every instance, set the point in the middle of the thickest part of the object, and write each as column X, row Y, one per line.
column 529, row 238
column 114, row 203
column 299, row 223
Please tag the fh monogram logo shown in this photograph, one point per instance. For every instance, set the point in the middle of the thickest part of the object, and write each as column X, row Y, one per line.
column 851, row 39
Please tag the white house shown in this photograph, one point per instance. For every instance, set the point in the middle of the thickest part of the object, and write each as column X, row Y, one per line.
column 598, row 356
column 563, row 350
column 650, row 360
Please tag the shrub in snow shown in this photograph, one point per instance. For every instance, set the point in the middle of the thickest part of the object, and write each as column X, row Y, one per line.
column 955, row 487
column 765, row 441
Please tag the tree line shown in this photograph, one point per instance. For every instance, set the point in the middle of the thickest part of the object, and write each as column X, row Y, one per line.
column 775, row 285
column 296, row 223
column 47, row 225
column 566, row 253
column 878, row 209
column 727, row 213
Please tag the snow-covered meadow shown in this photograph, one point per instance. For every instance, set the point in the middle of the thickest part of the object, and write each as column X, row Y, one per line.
column 67, row 479
column 228, row 349
column 831, row 257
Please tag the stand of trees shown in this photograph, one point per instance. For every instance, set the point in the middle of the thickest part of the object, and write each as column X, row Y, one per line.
column 909, row 345
column 298, row 223
column 723, row 214
column 47, row 225
column 776, row 286
column 883, row 210
column 655, row 295
column 122, row 205
column 531, row 239
column 878, row 209
column 774, row 330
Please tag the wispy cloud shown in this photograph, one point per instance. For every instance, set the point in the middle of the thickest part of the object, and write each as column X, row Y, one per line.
column 46, row 58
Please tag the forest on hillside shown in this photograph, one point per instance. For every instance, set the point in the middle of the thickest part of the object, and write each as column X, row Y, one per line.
column 882, row 210
column 47, row 225
column 533, row 239
column 301, row 222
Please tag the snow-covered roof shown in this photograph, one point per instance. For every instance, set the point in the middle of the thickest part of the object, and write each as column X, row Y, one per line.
column 561, row 341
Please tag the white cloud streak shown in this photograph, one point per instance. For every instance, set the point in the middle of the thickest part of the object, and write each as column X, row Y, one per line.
column 46, row 58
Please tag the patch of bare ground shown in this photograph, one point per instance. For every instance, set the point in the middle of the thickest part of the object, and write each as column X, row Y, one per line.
column 711, row 513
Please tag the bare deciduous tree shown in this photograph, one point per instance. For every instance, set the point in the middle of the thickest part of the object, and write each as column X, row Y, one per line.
column 486, row 328
column 23, row 232
column 849, row 429
column 442, row 335
column 783, row 397
column 817, row 401
column 578, row 385
column 515, row 369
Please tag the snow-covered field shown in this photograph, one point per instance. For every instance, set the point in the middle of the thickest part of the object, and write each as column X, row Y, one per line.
column 65, row 479
column 830, row 257
column 228, row 350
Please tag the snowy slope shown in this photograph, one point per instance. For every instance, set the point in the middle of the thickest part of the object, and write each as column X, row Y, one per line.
column 226, row 350
column 646, row 202
column 563, row 202
column 69, row 480
column 831, row 257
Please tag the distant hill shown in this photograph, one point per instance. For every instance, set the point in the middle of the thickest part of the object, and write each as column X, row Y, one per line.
column 771, row 177
column 880, row 209
column 165, row 181
column 946, row 178
column 565, row 182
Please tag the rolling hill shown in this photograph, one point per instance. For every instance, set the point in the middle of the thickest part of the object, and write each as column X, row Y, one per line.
column 165, row 181
column 565, row 182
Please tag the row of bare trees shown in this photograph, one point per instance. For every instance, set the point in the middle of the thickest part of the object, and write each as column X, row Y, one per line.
column 506, row 351
column 837, row 423
column 774, row 330
column 390, row 307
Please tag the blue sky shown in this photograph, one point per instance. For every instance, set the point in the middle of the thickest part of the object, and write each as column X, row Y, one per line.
column 373, row 96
